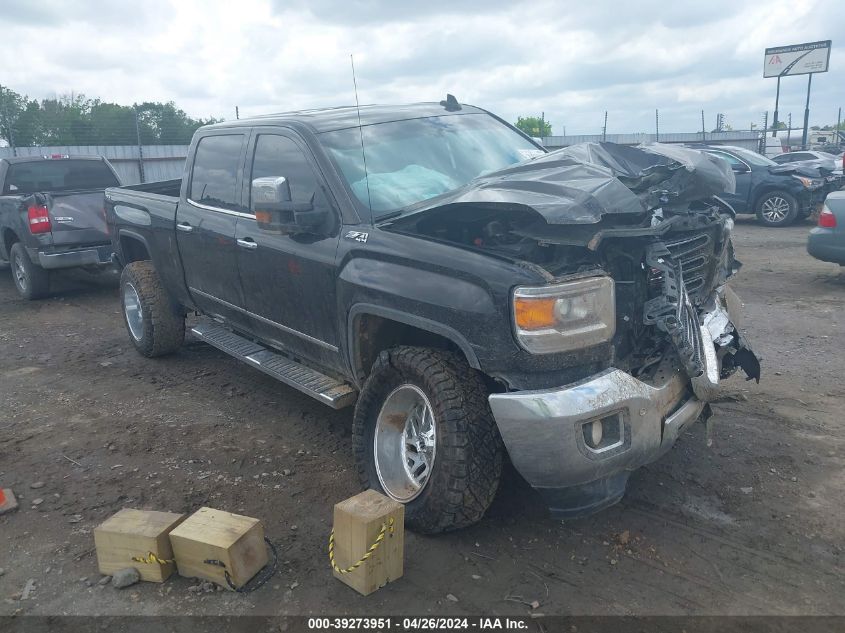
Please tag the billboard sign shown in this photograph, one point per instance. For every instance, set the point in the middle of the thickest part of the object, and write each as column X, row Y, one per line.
column 798, row 59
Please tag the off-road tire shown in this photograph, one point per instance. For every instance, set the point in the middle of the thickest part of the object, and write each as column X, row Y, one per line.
column 36, row 282
column 468, row 462
column 791, row 215
column 163, row 323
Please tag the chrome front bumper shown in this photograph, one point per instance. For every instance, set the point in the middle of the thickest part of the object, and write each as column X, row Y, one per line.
column 548, row 432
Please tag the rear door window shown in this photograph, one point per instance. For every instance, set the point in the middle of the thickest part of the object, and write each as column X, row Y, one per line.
column 214, row 177
column 732, row 160
column 56, row 175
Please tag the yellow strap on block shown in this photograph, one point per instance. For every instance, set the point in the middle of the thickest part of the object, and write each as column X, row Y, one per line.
column 152, row 558
column 370, row 551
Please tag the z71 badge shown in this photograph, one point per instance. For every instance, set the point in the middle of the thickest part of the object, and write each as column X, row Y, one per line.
column 358, row 236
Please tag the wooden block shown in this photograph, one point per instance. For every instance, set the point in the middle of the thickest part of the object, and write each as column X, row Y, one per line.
column 136, row 533
column 209, row 534
column 357, row 523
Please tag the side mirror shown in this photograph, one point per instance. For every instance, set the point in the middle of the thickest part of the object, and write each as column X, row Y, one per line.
column 740, row 169
column 275, row 210
column 270, row 191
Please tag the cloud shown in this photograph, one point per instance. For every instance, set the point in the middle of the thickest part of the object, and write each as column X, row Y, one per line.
column 571, row 61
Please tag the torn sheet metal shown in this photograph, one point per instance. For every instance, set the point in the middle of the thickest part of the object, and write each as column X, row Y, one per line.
column 583, row 183
column 660, row 173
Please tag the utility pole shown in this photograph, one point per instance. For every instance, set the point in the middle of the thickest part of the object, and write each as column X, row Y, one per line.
column 838, row 125
column 656, row 126
column 789, row 130
column 807, row 113
column 604, row 129
column 237, row 114
column 140, row 149
column 775, row 122
column 703, row 129
column 542, row 124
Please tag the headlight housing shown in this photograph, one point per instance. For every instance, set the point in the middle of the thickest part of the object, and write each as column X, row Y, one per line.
column 565, row 316
column 810, row 183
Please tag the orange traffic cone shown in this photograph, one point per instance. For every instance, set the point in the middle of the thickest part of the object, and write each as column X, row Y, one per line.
column 7, row 501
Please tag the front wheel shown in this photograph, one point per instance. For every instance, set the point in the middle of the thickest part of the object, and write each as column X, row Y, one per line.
column 32, row 281
column 777, row 209
column 423, row 434
column 155, row 325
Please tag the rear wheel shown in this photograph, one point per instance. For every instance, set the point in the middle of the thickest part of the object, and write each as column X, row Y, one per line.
column 423, row 434
column 32, row 281
column 777, row 209
column 156, row 327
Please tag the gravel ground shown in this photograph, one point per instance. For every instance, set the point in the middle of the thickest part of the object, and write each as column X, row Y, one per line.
column 752, row 525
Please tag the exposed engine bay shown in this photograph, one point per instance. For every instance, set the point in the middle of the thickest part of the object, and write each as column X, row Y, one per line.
column 659, row 230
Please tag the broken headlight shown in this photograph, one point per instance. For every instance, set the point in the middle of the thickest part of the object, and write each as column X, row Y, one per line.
column 565, row 316
column 810, row 183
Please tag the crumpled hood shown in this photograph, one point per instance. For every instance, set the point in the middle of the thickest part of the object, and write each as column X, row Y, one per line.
column 582, row 183
column 808, row 168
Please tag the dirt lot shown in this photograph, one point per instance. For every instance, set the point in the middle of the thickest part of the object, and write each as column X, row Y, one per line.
column 753, row 525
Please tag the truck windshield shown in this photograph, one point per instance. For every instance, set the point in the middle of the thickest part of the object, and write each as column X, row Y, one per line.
column 56, row 175
column 416, row 159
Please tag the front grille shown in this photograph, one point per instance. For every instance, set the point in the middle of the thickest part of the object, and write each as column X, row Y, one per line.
column 678, row 269
column 695, row 254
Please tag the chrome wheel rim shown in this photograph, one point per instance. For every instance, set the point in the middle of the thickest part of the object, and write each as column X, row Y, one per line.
column 405, row 443
column 775, row 209
column 132, row 311
column 20, row 273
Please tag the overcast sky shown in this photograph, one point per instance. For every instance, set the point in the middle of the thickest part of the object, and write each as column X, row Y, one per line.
column 571, row 60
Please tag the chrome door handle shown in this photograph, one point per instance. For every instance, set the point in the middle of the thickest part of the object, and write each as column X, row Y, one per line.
column 248, row 243
column 184, row 226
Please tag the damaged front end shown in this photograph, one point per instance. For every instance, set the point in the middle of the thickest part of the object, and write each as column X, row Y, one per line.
column 650, row 219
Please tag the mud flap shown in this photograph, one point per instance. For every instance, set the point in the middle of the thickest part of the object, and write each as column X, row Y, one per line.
column 707, row 417
column 745, row 358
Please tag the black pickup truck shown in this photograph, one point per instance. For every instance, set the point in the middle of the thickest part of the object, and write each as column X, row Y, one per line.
column 52, row 216
column 469, row 293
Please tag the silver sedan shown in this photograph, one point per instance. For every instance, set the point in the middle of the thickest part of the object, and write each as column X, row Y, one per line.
column 827, row 240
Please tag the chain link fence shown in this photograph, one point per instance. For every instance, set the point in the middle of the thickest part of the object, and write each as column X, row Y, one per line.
column 144, row 142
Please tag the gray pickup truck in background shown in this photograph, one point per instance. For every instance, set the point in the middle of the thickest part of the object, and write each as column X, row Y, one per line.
column 52, row 216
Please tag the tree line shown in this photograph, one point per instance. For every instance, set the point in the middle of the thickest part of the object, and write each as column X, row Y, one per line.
column 78, row 120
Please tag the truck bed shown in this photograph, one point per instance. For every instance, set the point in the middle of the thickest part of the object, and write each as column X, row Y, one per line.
column 168, row 188
column 137, row 205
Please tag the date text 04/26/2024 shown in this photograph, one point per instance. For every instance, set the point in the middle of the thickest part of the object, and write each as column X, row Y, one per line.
column 417, row 624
